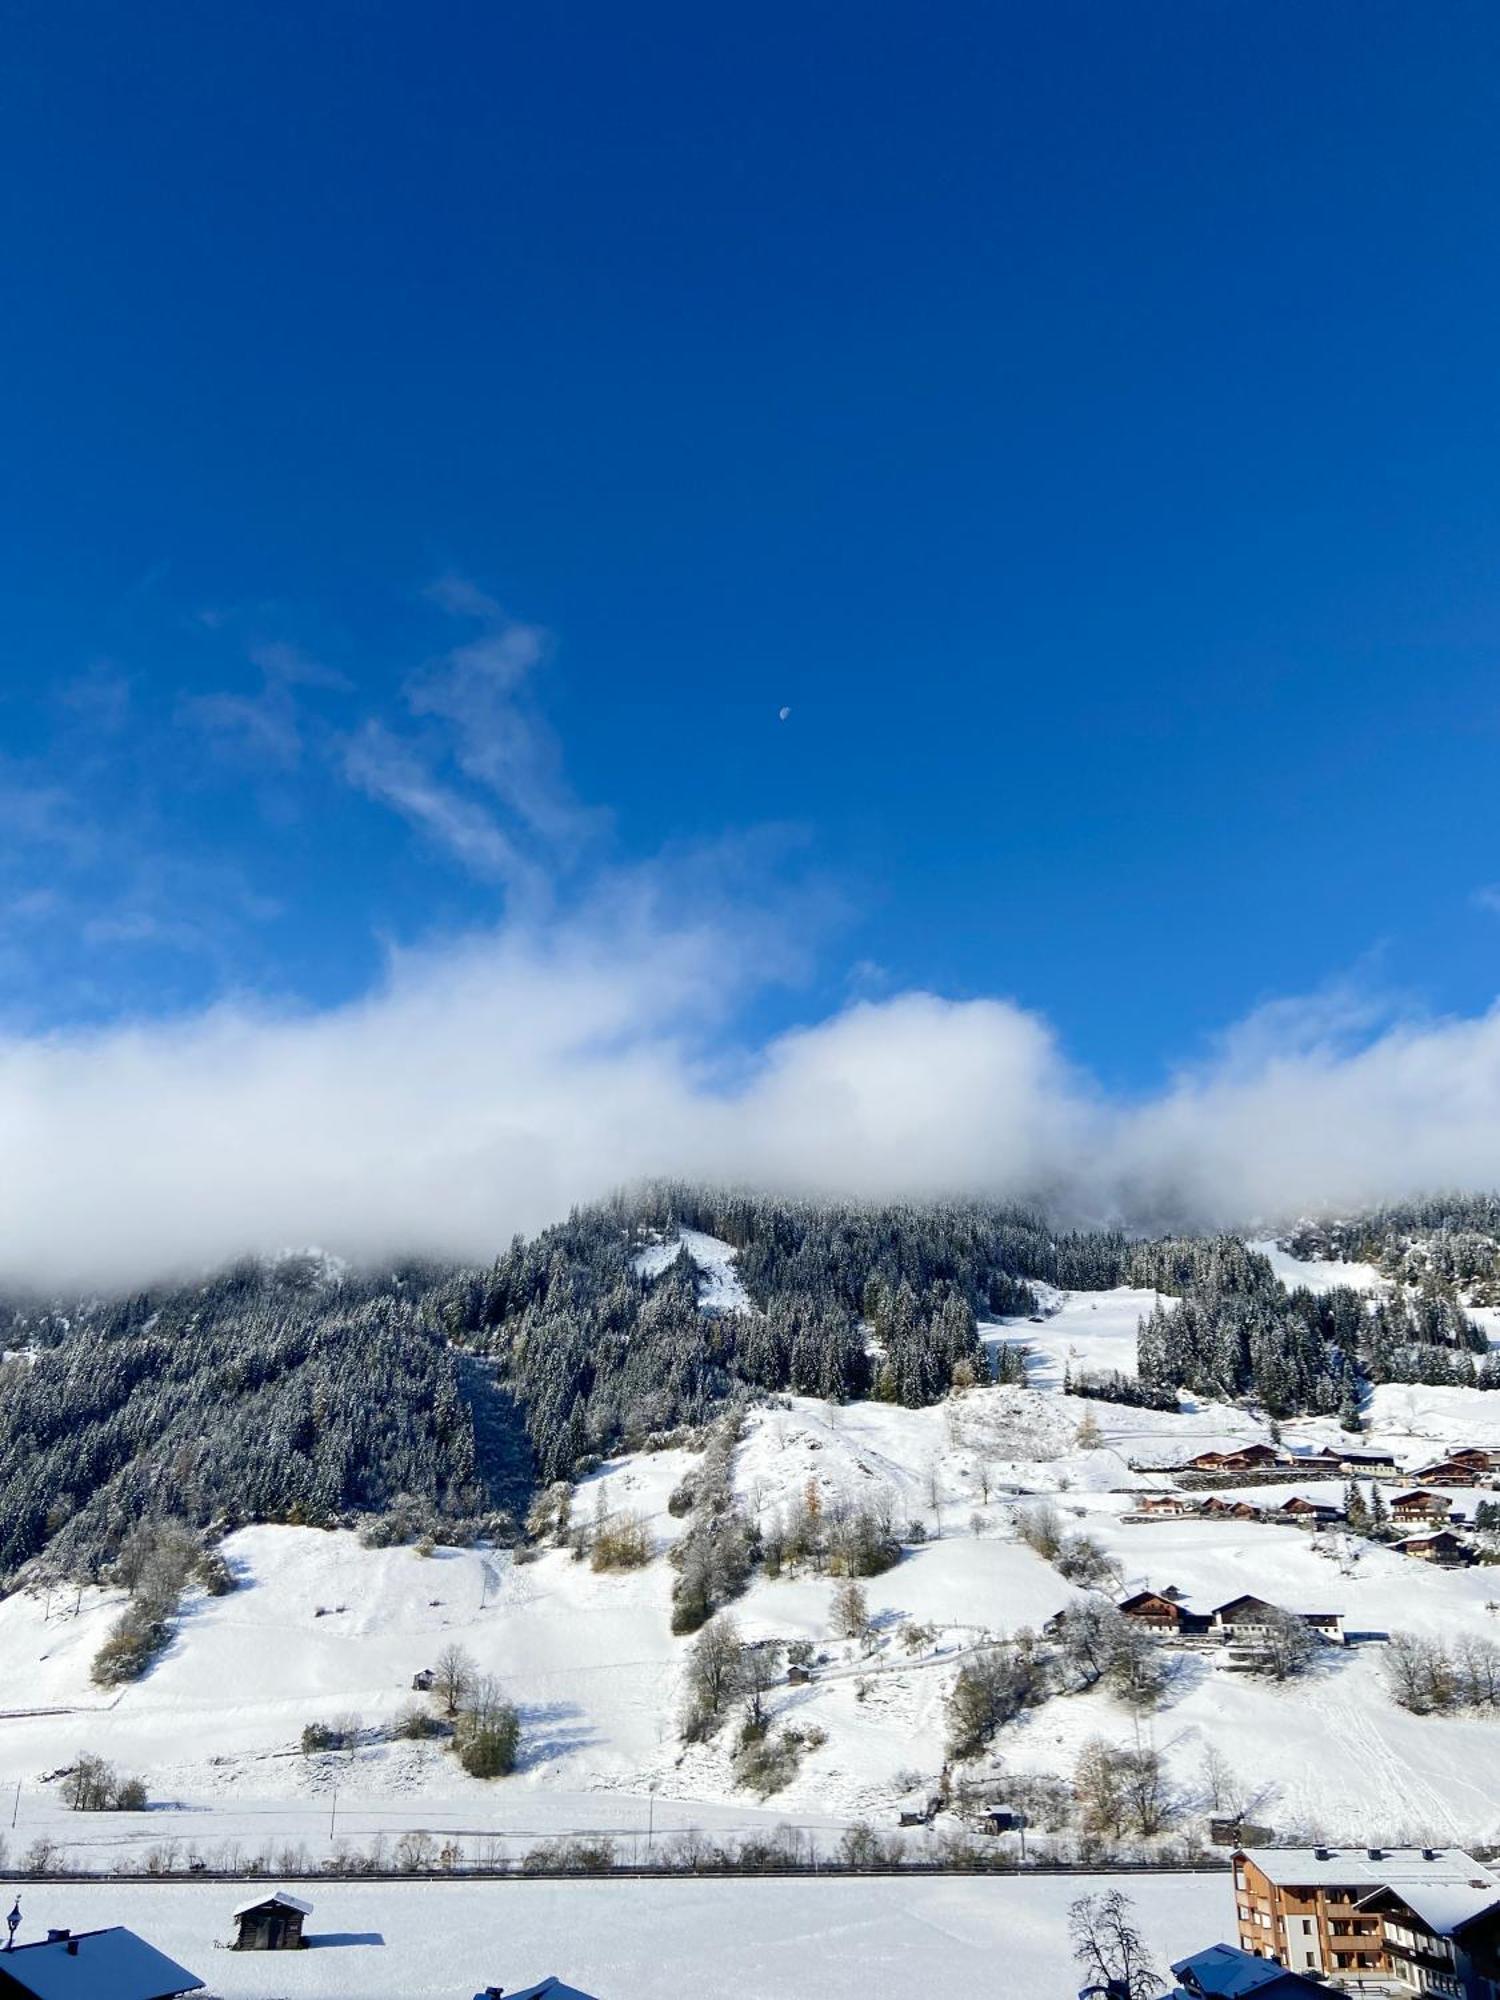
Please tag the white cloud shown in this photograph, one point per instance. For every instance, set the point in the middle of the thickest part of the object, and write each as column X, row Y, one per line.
column 486, row 1087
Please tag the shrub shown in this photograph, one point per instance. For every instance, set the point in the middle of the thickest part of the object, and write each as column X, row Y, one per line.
column 134, row 1641
column 622, row 1542
column 765, row 1763
column 415, row 1724
column 214, row 1573
column 341, row 1732
column 488, row 1734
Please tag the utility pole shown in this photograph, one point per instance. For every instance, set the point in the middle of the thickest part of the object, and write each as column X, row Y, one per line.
column 333, row 1811
column 15, row 1811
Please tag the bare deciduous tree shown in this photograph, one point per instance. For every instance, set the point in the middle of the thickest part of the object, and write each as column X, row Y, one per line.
column 1109, row 1948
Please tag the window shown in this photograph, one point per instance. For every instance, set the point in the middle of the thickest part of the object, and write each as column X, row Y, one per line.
column 1307, row 1926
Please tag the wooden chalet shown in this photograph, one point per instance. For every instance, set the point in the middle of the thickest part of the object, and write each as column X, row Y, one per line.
column 1482, row 1457
column 1420, row 1505
column 271, row 1923
column 1164, row 1506
column 1249, row 1617
column 1442, row 1547
column 1217, row 1508
column 1451, row 1471
column 1243, row 1458
column 1241, row 1619
column 1403, row 1921
column 1156, row 1611
column 1438, row 1937
column 1308, row 1513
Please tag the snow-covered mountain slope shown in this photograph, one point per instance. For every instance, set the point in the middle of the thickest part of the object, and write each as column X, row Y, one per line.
column 321, row 1627
column 719, row 1287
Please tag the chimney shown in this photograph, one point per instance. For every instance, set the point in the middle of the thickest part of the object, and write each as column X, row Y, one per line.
column 57, row 1936
column 1322, row 1854
column 1375, row 1853
column 1429, row 1854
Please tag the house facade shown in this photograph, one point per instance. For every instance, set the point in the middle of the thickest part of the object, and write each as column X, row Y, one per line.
column 1420, row 1505
column 1443, row 1548
column 1451, row 1471
column 1422, row 1921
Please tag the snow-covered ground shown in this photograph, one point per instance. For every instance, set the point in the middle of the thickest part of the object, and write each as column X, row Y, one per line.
column 719, row 1287
column 755, row 1940
column 1319, row 1274
column 322, row 1628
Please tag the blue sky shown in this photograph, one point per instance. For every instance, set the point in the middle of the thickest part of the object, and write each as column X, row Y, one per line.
column 440, row 441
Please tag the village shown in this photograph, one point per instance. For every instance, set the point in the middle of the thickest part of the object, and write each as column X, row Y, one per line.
column 1436, row 1529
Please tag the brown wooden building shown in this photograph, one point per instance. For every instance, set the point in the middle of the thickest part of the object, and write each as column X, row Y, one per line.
column 1420, row 1505
column 1421, row 1920
column 1442, row 1547
column 271, row 1923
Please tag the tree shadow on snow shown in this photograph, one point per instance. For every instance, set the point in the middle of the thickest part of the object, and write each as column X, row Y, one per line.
column 551, row 1729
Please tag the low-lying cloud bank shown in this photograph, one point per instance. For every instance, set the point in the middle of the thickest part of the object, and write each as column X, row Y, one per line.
column 487, row 1087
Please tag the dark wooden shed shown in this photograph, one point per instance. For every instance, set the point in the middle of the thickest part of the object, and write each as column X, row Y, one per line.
column 271, row 1923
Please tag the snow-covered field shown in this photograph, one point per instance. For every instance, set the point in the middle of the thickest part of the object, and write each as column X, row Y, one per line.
column 322, row 1628
column 754, row 1940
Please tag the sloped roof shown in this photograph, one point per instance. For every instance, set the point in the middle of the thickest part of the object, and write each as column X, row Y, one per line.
column 1400, row 1868
column 101, row 1965
column 551, row 1988
column 277, row 1896
column 1225, row 1973
column 1444, row 1906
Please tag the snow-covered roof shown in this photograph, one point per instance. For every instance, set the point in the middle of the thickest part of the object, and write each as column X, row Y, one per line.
column 278, row 1896
column 551, row 1988
column 1444, row 1906
column 1226, row 1973
column 97, row 1965
column 1399, row 1868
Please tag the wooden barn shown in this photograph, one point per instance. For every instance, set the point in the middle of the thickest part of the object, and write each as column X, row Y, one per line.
column 271, row 1923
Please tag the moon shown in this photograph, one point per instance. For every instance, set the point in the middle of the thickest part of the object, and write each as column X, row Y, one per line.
column 782, row 714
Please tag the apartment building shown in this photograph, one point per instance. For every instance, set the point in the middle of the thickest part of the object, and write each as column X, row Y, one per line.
column 1424, row 1921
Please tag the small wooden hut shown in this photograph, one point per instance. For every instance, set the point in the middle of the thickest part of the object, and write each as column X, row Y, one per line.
column 271, row 1923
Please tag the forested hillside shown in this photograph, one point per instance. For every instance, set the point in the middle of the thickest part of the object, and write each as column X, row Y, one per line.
column 300, row 1391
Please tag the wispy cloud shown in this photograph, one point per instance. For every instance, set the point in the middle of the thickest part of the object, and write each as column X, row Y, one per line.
column 384, row 767
column 1488, row 898
column 480, row 772
column 267, row 728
